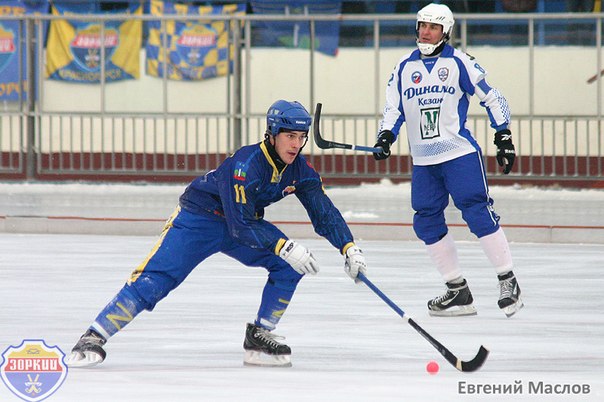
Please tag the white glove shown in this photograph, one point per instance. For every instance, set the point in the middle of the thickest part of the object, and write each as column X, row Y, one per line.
column 299, row 257
column 354, row 263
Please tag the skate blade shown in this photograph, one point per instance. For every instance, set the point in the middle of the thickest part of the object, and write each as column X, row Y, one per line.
column 255, row 358
column 513, row 308
column 455, row 311
column 84, row 360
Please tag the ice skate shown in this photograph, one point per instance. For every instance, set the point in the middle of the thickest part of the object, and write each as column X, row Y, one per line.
column 88, row 352
column 509, row 294
column 455, row 302
column 262, row 349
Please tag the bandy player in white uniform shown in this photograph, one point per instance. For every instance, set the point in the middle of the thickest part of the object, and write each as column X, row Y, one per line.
column 430, row 90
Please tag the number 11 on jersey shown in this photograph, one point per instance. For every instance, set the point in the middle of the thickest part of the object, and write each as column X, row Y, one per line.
column 240, row 194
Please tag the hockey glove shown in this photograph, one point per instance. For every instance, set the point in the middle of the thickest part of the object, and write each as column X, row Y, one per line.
column 299, row 257
column 384, row 140
column 354, row 262
column 506, row 153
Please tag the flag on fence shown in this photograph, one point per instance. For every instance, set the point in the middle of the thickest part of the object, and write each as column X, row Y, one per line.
column 196, row 49
column 13, row 80
column 74, row 46
column 297, row 33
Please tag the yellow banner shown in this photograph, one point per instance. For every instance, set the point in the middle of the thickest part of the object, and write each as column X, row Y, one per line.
column 195, row 50
column 74, row 48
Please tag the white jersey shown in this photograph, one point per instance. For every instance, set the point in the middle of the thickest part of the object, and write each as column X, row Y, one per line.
column 432, row 96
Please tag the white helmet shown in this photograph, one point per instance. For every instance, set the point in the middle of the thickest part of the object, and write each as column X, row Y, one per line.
column 436, row 14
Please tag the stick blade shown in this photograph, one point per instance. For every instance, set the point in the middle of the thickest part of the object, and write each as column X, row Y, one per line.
column 321, row 143
column 325, row 144
column 475, row 363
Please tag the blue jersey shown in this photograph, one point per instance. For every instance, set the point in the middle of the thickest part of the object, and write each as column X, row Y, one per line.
column 247, row 182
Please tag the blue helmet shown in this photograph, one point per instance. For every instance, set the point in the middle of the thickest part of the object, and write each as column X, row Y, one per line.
column 284, row 115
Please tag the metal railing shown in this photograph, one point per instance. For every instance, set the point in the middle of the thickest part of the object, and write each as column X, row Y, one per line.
column 38, row 143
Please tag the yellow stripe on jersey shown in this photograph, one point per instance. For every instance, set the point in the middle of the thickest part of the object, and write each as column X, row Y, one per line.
column 139, row 270
column 276, row 177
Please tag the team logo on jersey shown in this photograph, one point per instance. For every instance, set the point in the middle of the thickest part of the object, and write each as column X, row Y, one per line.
column 416, row 77
column 443, row 73
column 240, row 171
column 412, row 92
column 429, row 123
column 477, row 66
column 33, row 370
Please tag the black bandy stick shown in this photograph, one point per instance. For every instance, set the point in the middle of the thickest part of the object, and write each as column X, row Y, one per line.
column 465, row 366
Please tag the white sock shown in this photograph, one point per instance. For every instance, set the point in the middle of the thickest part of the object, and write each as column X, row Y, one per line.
column 444, row 255
column 497, row 249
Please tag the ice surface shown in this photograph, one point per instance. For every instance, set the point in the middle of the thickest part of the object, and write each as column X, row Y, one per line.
column 347, row 344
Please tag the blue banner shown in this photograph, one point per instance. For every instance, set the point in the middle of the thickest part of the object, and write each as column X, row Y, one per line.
column 196, row 49
column 12, row 50
column 297, row 33
column 74, row 47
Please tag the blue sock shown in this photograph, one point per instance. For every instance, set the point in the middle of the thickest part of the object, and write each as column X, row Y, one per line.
column 118, row 313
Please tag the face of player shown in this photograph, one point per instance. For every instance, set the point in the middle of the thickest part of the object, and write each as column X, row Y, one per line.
column 429, row 32
column 288, row 144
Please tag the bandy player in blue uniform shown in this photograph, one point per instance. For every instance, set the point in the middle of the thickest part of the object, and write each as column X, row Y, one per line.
column 223, row 212
column 430, row 90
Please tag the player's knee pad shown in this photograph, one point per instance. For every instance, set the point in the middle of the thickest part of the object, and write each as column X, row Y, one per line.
column 283, row 282
column 151, row 288
column 481, row 219
column 482, row 229
column 429, row 229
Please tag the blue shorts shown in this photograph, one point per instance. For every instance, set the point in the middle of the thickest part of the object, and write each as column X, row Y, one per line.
column 187, row 240
column 464, row 179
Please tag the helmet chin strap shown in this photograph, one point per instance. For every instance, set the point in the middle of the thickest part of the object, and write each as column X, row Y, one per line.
column 428, row 49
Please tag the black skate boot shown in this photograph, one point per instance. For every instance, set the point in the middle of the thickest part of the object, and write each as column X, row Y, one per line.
column 88, row 351
column 509, row 294
column 262, row 349
column 456, row 301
